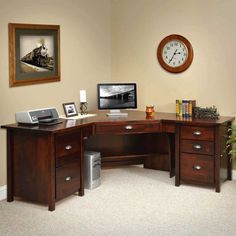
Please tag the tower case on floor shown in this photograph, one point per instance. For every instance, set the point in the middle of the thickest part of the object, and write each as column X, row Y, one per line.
column 92, row 169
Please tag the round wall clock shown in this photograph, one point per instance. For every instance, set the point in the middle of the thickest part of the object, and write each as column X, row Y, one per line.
column 175, row 53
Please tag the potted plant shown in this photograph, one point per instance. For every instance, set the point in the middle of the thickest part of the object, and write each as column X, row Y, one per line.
column 231, row 147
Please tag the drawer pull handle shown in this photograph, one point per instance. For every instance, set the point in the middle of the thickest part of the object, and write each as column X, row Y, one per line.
column 68, row 178
column 197, row 167
column 197, row 133
column 197, row 146
column 128, row 127
column 68, row 147
column 85, row 138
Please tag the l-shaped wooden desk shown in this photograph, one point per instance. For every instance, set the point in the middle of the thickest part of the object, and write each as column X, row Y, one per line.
column 45, row 163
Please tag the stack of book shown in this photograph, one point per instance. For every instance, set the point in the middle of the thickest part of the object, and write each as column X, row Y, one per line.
column 184, row 108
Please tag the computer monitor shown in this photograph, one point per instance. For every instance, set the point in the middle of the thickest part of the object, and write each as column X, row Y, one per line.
column 115, row 96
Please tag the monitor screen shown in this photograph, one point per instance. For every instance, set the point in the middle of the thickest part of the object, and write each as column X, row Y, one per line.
column 117, row 96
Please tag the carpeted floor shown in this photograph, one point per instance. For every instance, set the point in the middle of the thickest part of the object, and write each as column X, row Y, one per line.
column 130, row 201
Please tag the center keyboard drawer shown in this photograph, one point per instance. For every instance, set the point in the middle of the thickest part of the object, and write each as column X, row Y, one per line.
column 127, row 128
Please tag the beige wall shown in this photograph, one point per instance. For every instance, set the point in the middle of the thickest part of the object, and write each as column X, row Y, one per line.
column 139, row 25
column 85, row 56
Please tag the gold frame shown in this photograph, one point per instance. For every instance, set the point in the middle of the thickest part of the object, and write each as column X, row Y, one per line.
column 16, row 78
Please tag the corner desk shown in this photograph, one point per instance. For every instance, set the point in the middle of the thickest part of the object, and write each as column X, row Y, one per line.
column 46, row 163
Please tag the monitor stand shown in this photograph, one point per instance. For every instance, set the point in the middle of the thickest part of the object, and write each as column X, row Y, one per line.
column 116, row 113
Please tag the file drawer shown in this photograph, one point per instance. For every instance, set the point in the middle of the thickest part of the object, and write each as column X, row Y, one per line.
column 197, row 146
column 197, row 133
column 197, row 168
column 67, row 179
column 67, row 144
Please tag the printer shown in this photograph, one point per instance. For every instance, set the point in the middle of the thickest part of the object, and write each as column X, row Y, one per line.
column 44, row 115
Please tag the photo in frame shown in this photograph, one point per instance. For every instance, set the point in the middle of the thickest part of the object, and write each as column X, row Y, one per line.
column 70, row 109
column 34, row 53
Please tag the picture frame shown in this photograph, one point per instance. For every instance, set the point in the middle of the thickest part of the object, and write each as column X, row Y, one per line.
column 70, row 109
column 34, row 54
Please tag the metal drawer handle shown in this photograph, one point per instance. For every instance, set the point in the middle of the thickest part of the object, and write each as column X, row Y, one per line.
column 128, row 127
column 197, row 133
column 68, row 178
column 85, row 138
column 197, row 167
column 197, row 146
column 68, row 147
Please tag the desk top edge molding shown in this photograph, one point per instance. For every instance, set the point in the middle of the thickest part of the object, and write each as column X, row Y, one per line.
column 133, row 117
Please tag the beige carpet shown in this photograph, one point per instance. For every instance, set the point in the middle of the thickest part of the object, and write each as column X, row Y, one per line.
column 130, row 201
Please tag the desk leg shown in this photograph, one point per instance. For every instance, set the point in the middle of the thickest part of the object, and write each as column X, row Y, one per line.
column 10, row 163
column 229, row 168
column 217, row 159
column 51, row 206
column 81, row 192
column 52, row 175
column 177, row 182
column 171, row 139
column 177, row 164
column 228, row 157
column 10, row 197
column 82, row 142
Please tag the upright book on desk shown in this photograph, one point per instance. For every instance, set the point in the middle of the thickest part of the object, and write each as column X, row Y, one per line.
column 184, row 108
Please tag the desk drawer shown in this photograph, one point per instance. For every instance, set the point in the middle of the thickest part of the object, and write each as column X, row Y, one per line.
column 67, row 144
column 197, row 133
column 127, row 128
column 67, row 179
column 197, row 146
column 197, row 168
column 87, row 132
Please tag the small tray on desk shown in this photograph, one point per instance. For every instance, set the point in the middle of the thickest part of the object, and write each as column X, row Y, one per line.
column 50, row 122
column 78, row 116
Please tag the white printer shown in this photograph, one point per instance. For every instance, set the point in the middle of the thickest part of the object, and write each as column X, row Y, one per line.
column 44, row 115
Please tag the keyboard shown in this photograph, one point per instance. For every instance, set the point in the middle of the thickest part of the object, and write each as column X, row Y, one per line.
column 118, row 114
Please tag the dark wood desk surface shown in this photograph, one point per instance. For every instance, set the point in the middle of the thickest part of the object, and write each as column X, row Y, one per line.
column 133, row 116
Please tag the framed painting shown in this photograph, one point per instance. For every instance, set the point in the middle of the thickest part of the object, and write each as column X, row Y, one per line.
column 34, row 54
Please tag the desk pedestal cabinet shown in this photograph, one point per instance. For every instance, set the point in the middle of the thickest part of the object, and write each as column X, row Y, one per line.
column 46, row 163
column 45, row 166
column 200, row 155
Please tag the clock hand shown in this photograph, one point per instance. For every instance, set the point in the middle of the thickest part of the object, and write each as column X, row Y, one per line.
column 172, row 56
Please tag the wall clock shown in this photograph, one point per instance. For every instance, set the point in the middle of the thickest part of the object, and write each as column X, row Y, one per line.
column 175, row 53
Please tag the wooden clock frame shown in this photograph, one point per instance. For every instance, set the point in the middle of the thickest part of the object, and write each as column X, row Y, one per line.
column 188, row 61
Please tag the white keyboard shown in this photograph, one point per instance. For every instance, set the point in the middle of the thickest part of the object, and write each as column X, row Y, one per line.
column 118, row 114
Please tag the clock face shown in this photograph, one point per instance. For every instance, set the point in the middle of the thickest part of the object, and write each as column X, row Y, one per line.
column 175, row 53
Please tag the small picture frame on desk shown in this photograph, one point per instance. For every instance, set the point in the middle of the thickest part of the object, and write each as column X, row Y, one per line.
column 70, row 109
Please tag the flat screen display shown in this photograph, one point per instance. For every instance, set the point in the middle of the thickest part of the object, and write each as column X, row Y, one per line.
column 117, row 96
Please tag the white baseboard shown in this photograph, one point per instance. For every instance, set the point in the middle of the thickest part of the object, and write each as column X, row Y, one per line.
column 3, row 192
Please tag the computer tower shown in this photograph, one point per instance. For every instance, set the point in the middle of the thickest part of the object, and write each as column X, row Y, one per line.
column 92, row 169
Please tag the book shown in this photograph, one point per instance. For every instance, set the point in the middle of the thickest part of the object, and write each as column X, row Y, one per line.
column 184, row 108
